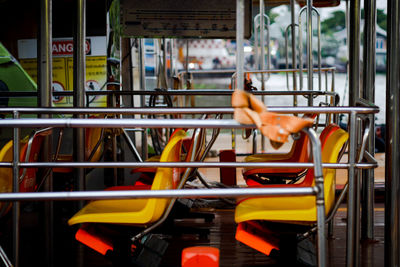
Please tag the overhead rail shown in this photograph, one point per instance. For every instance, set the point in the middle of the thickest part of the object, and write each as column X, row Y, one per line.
column 125, row 111
column 171, row 92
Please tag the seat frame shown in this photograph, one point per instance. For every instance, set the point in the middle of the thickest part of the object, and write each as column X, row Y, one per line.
column 195, row 153
column 320, row 199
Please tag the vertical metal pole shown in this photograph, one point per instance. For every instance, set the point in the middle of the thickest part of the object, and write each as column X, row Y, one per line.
column 392, row 171
column 287, row 55
column 256, row 58
column 262, row 45
column 368, row 90
column 143, row 97
column 262, row 65
column 353, row 208
column 126, row 70
column 164, row 57
column 254, row 142
column 310, row 72
column 187, row 59
column 354, row 52
column 114, row 156
column 45, row 54
column 239, row 44
column 45, row 82
column 353, row 220
column 300, row 53
column 268, row 45
column 79, row 86
column 239, row 53
column 335, row 101
column 319, row 49
column 172, row 63
column 320, row 199
column 294, row 65
column 16, row 205
column 326, row 90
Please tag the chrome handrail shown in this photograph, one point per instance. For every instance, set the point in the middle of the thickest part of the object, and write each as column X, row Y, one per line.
column 213, row 110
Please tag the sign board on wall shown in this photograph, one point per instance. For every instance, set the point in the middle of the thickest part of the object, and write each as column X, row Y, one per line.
column 96, row 66
column 183, row 18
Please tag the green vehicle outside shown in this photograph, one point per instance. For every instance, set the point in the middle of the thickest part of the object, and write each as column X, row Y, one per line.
column 13, row 78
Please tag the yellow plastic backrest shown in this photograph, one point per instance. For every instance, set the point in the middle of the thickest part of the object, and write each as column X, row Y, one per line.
column 166, row 178
column 330, row 154
column 6, row 175
column 6, row 155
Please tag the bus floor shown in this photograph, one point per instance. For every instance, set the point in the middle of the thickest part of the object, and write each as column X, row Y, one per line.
column 67, row 252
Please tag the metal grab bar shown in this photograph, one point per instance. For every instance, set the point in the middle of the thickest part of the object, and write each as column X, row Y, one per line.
column 290, row 26
column 260, row 62
column 130, row 111
column 309, row 47
column 182, row 193
column 371, row 163
column 264, row 22
column 122, row 123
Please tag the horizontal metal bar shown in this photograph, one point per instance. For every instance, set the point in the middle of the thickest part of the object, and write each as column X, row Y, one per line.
column 123, row 123
column 183, row 193
column 171, row 92
column 209, row 110
column 208, row 164
column 206, row 71
column 123, row 111
column 287, row 70
column 234, row 71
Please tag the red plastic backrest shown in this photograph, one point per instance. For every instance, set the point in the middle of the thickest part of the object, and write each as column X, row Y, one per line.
column 328, row 131
column 28, row 183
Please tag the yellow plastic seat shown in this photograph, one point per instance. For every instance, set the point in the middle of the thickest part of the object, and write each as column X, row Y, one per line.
column 29, row 152
column 6, row 155
column 296, row 209
column 137, row 211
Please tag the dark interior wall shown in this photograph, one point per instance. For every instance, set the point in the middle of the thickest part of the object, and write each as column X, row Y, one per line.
column 19, row 19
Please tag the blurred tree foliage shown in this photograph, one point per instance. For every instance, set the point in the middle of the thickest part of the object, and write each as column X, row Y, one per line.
column 381, row 18
column 272, row 16
column 337, row 21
